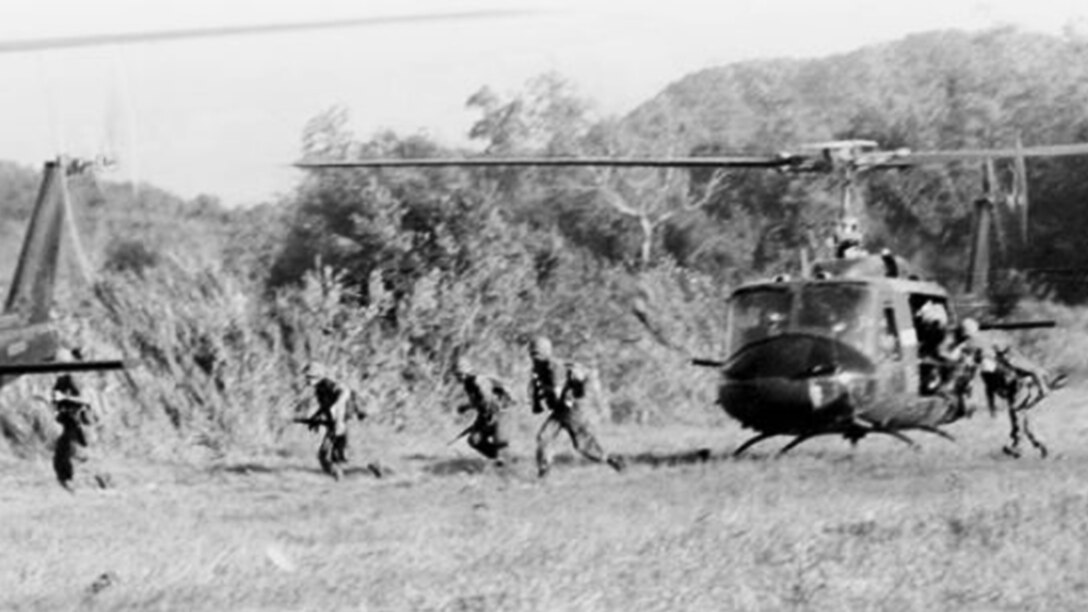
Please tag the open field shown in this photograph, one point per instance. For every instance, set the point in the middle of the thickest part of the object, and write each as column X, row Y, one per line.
column 954, row 526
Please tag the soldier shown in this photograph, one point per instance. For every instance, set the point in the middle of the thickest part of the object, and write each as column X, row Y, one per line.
column 488, row 397
column 335, row 405
column 937, row 347
column 562, row 392
column 848, row 239
column 75, row 416
column 997, row 362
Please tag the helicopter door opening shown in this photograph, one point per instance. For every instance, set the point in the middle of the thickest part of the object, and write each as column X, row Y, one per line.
column 933, row 325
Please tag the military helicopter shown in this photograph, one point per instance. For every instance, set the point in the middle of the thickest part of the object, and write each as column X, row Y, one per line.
column 847, row 348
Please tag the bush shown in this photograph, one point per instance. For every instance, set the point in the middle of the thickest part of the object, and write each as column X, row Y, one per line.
column 131, row 256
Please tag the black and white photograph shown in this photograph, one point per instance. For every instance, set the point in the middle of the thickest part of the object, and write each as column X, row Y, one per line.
column 480, row 306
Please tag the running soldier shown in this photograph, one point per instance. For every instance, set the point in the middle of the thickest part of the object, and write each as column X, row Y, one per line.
column 562, row 392
column 488, row 397
column 336, row 403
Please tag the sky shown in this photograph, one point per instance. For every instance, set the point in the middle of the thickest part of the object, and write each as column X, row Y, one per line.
column 224, row 116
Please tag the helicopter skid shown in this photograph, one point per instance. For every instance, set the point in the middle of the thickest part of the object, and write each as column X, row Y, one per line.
column 853, row 435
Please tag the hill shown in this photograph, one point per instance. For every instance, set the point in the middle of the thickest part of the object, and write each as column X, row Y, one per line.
column 937, row 90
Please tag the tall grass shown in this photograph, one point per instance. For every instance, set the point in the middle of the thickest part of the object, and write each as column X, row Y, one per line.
column 214, row 365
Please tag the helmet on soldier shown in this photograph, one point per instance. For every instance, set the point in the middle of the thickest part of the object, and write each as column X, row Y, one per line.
column 934, row 313
column 969, row 327
column 314, row 372
column 540, row 348
column 462, row 367
column 579, row 372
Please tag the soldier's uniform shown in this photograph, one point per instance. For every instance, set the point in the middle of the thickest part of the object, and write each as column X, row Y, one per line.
column 561, row 391
column 489, row 398
column 335, row 404
column 75, row 416
column 1000, row 366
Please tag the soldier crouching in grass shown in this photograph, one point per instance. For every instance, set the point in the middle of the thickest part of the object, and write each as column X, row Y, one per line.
column 336, row 403
column 489, row 399
column 562, row 392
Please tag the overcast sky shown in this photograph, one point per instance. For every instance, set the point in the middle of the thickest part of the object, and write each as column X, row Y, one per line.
column 224, row 116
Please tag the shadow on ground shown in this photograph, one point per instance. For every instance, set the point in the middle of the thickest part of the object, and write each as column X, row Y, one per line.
column 451, row 466
column 250, row 468
column 438, row 466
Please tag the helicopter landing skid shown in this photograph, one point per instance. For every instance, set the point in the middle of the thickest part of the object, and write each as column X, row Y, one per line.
column 752, row 442
column 794, row 443
column 852, row 435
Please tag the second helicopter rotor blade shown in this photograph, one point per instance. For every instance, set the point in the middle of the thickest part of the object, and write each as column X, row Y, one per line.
column 68, row 42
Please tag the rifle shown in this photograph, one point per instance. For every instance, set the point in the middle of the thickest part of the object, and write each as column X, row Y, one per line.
column 466, row 431
column 313, row 421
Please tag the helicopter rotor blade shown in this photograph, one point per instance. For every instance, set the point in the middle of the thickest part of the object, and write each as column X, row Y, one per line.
column 938, row 157
column 797, row 162
column 1019, row 198
column 599, row 162
column 68, row 42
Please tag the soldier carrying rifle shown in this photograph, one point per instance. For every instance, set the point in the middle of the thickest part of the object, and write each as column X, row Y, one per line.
column 561, row 392
column 336, row 403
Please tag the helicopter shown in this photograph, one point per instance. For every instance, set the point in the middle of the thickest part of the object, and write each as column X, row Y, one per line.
column 848, row 348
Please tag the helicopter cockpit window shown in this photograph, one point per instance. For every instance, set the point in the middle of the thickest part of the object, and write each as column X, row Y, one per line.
column 839, row 311
column 758, row 314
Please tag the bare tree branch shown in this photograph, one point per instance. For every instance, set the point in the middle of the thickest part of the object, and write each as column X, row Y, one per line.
column 615, row 200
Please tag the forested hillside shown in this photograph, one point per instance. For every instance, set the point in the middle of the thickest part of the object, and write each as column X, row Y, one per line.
column 390, row 276
column 939, row 90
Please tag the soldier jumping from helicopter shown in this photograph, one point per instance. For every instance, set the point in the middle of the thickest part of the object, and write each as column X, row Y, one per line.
column 561, row 392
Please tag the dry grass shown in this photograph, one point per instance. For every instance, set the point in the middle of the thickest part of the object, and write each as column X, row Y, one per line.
column 875, row 528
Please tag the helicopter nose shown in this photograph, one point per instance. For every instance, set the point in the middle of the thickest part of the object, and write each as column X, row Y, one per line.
column 792, row 382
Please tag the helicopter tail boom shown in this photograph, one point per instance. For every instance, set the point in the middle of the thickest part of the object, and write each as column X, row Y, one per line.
column 31, row 292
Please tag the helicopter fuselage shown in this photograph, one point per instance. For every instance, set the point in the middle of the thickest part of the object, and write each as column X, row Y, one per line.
column 843, row 355
column 22, row 343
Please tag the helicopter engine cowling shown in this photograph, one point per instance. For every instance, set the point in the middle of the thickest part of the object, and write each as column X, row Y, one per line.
column 795, row 384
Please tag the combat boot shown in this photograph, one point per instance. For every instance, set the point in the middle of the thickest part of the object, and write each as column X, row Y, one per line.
column 617, row 463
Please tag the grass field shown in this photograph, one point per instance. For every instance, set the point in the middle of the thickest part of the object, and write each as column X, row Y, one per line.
column 880, row 527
